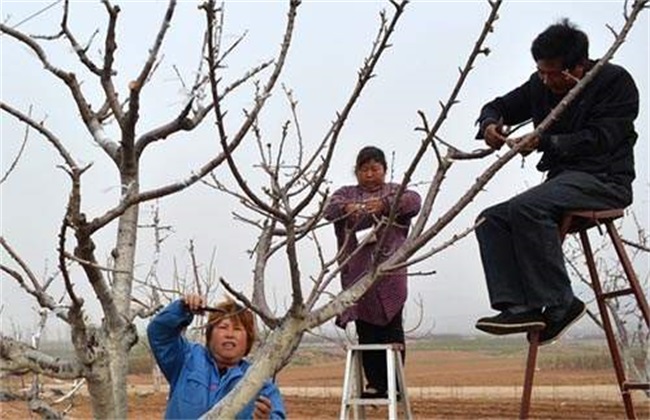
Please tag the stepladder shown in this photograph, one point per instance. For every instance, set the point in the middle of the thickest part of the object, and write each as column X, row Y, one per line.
column 396, row 400
column 579, row 222
column 603, row 297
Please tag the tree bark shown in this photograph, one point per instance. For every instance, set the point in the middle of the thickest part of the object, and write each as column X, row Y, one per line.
column 120, row 338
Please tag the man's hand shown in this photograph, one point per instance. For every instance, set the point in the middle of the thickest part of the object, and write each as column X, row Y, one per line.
column 531, row 143
column 262, row 408
column 194, row 303
column 494, row 136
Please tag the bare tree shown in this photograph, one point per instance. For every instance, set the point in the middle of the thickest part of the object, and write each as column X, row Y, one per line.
column 295, row 187
column 286, row 210
column 101, row 351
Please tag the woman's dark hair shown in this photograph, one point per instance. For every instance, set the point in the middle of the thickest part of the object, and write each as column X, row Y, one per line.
column 369, row 153
column 240, row 315
column 563, row 41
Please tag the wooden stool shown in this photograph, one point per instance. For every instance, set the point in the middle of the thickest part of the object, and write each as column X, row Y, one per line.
column 353, row 383
column 579, row 222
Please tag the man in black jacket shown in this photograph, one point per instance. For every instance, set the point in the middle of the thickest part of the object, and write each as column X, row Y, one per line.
column 588, row 154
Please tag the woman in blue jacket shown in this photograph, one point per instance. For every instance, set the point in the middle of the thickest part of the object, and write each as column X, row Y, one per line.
column 200, row 376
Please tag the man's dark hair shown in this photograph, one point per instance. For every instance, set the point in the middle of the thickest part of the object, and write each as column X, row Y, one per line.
column 369, row 153
column 563, row 41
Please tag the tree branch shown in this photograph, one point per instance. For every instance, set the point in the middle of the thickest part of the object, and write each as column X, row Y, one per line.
column 136, row 86
column 19, row 357
column 36, row 289
column 13, row 164
column 70, row 81
column 109, row 57
column 49, row 136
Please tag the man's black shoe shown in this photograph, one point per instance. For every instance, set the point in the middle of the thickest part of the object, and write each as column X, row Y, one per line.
column 509, row 323
column 555, row 328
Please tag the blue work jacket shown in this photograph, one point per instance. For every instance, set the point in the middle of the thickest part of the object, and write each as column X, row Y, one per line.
column 195, row 384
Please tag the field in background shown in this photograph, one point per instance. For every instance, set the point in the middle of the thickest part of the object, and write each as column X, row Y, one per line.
column 466, row 361
column 451, row 377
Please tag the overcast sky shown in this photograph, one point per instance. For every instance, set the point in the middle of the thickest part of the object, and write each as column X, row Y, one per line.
column 432, row 40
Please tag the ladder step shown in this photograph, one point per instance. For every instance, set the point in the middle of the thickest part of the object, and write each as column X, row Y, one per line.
column 368, row 401
column 636, row 385
column 617, row 293
column 384, row 347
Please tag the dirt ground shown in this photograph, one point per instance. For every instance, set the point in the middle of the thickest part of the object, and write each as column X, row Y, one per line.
column 450, row 368
column 152, row 407
column 453, row 371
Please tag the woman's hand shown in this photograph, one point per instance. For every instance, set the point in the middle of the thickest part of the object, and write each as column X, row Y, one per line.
column 374, row 206
column 194, row 303
column 370, row 206
column 352, row 208
column 262, row 408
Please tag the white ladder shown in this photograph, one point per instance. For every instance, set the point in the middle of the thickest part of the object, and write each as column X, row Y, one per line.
column 353, row 383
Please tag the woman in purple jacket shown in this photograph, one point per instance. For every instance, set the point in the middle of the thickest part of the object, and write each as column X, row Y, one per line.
column 355, row 210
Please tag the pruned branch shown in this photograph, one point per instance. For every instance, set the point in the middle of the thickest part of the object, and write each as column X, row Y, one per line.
column 20, row 357
column 70, row 80
column 76, row 47
column 487, row 174
column 330, row 139
column 636, row 245
column 106, row 78
column 136, row 86
column 252, row 115
column 49, row 136
column 451, row 241
column 431, row 133
column 272, row 322
column 14, row 163
column 35, row 289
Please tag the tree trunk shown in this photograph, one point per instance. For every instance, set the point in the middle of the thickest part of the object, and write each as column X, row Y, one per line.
column 100, row 390
column 120, row 331
column 119, row 369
